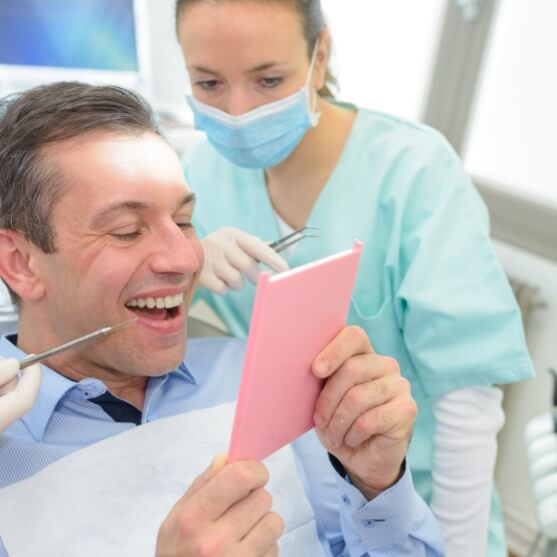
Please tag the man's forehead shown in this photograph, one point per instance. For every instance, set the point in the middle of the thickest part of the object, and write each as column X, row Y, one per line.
column 121, row 155
column 105, row 168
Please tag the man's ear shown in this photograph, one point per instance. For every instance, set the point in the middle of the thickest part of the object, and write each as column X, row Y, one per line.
column 17, row 266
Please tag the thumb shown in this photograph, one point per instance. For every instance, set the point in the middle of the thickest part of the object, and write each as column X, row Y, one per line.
column 29, row 384
column 217, row 464
column 8, row 371
column 20, row 400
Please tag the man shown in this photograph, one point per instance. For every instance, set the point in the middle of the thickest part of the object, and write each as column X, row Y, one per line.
column 95, row 229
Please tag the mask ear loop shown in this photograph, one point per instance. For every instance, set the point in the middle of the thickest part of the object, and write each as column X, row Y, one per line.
column 308, row 79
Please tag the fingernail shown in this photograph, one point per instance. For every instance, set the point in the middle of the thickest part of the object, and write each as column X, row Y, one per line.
column 321, row 367
column 217, row 463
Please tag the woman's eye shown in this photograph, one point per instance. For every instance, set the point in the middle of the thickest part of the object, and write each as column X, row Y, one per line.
column 207, row 84
column 270, row 82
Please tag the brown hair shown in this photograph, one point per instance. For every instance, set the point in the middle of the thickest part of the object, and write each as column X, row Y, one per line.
column 46, row 114
column 313, row 22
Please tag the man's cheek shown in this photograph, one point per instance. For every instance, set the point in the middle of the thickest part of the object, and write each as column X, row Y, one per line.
column 198, row 250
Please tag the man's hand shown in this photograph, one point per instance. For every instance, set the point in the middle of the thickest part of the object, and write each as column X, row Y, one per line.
column 365, row 412
column 17, row 396
column 225, row 512
column 230, row 255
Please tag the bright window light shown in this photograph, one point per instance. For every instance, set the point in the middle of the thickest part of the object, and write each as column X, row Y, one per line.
column 512, row 140
column 384, row 52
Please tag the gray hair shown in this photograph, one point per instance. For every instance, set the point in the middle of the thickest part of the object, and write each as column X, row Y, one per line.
column 29, row 121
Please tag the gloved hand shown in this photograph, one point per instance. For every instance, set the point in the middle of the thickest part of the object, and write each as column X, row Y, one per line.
column 17, row 396
column 231, row 253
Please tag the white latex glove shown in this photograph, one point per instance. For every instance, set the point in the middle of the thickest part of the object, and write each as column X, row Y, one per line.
column 17, row 396
column 230, row 254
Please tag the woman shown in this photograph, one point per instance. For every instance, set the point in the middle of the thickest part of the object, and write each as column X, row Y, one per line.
column 282, row 154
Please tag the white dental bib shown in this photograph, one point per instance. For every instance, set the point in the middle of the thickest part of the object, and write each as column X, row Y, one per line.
column 110, row 498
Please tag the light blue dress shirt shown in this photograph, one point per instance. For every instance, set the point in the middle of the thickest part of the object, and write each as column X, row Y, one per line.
column 64, row 419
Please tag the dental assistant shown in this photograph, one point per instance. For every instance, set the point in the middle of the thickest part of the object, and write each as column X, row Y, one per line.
column 281, row 153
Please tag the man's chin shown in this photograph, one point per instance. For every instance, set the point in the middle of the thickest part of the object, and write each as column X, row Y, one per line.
column 154, row 363
column 162, row 366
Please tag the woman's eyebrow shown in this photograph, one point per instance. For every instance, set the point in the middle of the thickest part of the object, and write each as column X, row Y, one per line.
column 255, row 69
column 265, row 66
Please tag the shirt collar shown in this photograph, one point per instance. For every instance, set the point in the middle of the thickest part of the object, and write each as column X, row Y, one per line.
column 183, row 370
column 55, row 386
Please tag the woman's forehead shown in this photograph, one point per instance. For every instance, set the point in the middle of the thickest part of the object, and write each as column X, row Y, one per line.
column 242, row 23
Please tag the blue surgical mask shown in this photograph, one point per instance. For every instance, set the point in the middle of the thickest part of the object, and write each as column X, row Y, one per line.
column 263, row 137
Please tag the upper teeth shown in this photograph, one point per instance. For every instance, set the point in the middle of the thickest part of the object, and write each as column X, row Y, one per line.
column 166, row 302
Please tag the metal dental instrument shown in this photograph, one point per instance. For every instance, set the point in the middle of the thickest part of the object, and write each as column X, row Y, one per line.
column 33, row 359
column 290, row 239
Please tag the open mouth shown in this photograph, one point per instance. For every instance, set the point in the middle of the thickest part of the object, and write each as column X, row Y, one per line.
column 162, row 308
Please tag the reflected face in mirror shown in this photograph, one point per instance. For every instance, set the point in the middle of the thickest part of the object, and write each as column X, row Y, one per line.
column 124, row 242
column 242, row 55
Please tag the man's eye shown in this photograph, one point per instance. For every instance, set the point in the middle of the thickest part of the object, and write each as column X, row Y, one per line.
column 187, row 227
column 126, row 235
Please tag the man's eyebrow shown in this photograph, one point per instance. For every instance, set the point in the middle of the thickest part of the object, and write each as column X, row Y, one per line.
column 106, row 212
column 186, row 200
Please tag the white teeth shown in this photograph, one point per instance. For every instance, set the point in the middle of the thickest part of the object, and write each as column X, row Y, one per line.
column 167, row 302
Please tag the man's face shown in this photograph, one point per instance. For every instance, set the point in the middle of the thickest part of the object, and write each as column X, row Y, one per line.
column 124, row 242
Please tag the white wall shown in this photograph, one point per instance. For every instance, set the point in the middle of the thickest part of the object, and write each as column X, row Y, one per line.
column 528, row 399
column 167, row 66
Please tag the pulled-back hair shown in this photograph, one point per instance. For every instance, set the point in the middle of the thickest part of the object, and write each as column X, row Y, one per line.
column 30, row 121
column 313, row 22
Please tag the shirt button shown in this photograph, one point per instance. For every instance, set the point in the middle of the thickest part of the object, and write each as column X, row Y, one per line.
column 368, row 523
column 346, row 500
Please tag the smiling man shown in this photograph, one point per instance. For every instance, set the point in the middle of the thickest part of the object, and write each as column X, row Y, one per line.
column 95, row 229
column 124, row 247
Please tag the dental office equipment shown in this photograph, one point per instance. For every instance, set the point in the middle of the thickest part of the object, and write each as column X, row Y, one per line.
column 541, row 450
column 290, row 239
column 34, row 358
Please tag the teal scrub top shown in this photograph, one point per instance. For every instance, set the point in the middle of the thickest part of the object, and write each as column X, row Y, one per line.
column 429, row 291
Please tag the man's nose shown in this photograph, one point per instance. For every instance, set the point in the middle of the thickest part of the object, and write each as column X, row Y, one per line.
column 173, row 252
